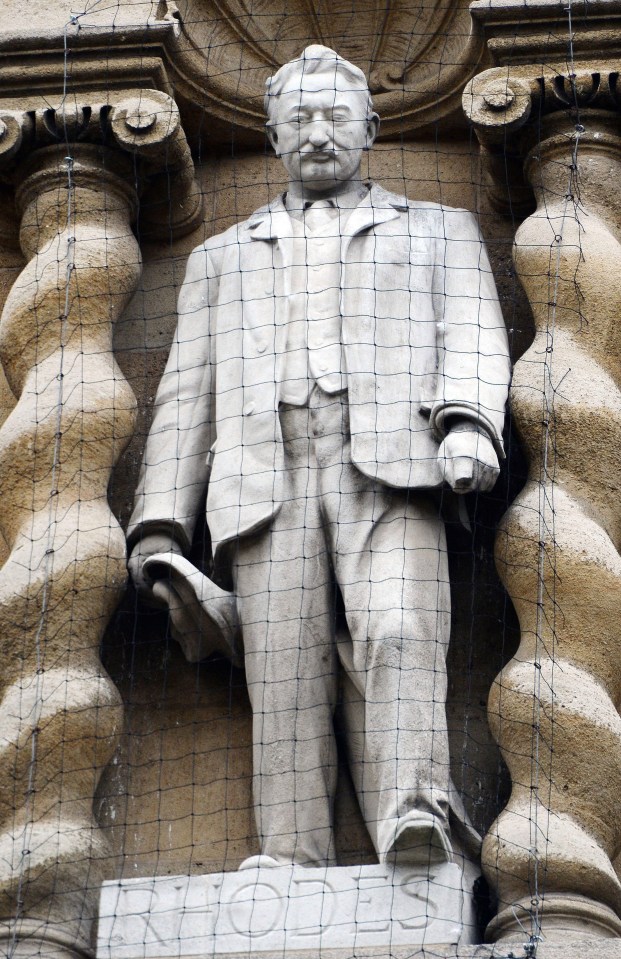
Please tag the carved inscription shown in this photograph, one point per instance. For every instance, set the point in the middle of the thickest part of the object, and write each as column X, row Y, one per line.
column 287, row 907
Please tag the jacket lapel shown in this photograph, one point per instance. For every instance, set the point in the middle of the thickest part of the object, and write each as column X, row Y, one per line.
column 273, row 225
column 270, row 222
column 378, row 206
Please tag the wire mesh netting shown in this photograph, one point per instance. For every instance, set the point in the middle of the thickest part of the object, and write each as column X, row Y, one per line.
column 277, row 360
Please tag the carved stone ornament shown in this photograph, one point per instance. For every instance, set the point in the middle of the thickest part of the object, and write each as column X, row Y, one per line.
column 418, row 55
column 142, row 123
column 508, row 104
column 217, row 54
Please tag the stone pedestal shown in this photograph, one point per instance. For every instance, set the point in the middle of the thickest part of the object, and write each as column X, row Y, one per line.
column 287, row 909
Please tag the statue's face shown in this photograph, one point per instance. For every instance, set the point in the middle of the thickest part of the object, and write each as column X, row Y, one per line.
column 319, row 130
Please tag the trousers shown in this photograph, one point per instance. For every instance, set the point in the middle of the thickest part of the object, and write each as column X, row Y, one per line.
column 384, row 549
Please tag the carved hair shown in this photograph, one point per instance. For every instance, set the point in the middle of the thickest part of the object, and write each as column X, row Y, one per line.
column 315, row 59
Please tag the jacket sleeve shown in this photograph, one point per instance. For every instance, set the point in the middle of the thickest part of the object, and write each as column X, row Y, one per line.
column 473, row 354
column 174, row 471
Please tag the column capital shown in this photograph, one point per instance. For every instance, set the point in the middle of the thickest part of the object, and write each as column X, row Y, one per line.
column 501, row 101
column 554, row 63
column 136, row 132
column 521, row 109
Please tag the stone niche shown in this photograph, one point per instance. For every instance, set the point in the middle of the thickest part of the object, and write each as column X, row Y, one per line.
column 176, row 799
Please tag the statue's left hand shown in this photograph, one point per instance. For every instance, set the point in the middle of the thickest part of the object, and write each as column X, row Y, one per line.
column 468, row 459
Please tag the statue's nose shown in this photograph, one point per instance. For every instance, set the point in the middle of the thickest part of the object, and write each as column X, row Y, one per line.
column 319, row 134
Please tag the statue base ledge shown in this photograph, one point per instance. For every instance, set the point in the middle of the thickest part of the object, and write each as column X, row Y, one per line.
column 339, row 911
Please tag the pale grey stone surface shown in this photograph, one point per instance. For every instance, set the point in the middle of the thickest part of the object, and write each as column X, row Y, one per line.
column 330, row 367
column 285, row 908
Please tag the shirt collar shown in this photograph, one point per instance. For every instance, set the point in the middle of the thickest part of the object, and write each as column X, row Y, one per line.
column 345, row 202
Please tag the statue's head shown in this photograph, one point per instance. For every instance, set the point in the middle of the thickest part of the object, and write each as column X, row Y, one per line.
column 320, row 119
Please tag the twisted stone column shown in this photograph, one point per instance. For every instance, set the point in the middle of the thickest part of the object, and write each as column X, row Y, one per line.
column 59, row 712
column 553, row 708
column 79, row 168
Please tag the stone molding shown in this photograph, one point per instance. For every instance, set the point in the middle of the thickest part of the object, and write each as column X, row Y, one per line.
column 217, row 54
column 45, row 62
column 538, row 31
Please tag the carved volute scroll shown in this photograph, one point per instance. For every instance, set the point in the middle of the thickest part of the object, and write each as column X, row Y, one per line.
column 554, row 135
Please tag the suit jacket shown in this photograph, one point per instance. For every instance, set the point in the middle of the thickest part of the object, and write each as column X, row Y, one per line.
column 423, row 338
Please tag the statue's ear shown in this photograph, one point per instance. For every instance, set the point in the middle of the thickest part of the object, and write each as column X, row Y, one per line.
column 373, row 125
column 272, row 136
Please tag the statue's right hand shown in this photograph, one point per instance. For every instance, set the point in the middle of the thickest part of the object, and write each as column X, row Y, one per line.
column 148, row 546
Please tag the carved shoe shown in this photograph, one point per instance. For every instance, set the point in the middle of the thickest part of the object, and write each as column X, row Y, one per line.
column 259, row 862
column 420, row 840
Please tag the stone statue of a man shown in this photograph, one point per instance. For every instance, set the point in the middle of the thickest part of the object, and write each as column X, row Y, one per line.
column 337, row 356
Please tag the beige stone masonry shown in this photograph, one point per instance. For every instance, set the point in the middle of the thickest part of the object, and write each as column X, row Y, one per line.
column 551, row 146
column 78, row 170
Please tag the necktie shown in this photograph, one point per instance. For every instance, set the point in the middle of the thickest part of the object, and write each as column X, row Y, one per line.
column 317, row 214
